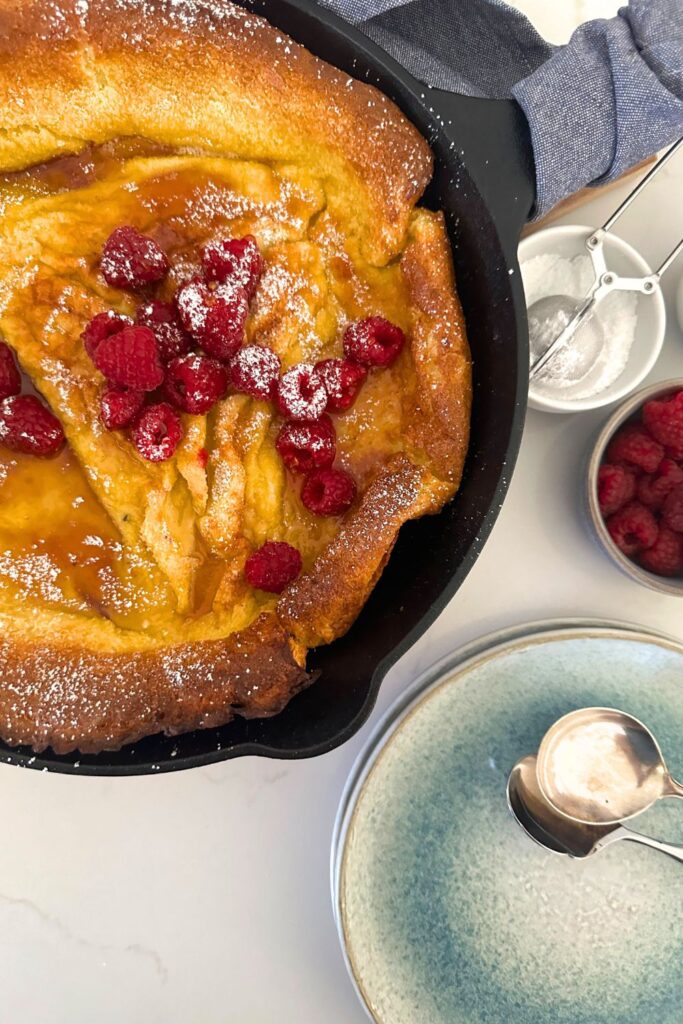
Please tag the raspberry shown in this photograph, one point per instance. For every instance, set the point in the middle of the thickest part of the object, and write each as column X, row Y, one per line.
column 216, row 318
column 28, row 426
column 304, row 447
column 343, row 379
column 374, row 341
column 102, row 326
column 192, row 302
column 255, row 371
column 653, row 488
column 328, row 492
column 195, row 383
column 10, row 378
column 224, row 328
column 672, row 510
column 616, row 486
column 273, row 566
column 132, row 260
column 664, row 420
column 665, row 557
column 633, row 528
column 162, row 319
column 634, row 445
column 301, row 393
column 157, row 432
column 118, row 407
column 236, row 258
column 130, row 358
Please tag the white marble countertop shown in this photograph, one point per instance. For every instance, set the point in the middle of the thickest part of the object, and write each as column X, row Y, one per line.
column 203, row 897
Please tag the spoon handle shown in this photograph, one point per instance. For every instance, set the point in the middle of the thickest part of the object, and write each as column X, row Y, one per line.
column 673, row 788
column 636, row 837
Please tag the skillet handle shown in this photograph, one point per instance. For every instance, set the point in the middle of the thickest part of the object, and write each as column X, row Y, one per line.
column 494, row 137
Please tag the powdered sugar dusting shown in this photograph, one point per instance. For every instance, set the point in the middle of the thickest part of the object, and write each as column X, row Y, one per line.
column 289, row 297
column 255, row 371
column 302, row 394
column 212, row 204
column 62, row 19
column 193, row 305
column 92, row 701
column 36, row 576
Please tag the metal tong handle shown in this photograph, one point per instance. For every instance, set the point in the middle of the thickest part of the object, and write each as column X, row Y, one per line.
column 595, row 241
column 611, row 221
column 605, row 280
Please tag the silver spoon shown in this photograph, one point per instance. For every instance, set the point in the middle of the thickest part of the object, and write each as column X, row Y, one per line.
column 602, row 766
column 554, row 832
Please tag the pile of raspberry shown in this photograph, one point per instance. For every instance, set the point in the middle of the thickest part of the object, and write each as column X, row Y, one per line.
column 184, row 355
column 640, row 487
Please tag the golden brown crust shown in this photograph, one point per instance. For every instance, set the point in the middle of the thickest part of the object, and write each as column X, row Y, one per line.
column 438, row 416
column 73, row 699
column 322, row 604
column 179, row 71
column 138, row 67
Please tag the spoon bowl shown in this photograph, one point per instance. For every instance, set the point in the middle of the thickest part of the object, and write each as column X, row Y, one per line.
column 541, row 822
column 558, row 834
column 600, row 766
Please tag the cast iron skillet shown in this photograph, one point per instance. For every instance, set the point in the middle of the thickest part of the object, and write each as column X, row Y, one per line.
column 484, row 183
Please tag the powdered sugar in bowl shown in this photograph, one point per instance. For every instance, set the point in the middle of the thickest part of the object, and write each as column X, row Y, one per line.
column 615, row 350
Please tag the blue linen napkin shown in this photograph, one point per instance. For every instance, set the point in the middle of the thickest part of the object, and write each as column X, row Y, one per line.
column 609, row 98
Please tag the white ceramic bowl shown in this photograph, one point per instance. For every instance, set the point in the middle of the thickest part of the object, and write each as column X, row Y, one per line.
column 629, row 410
column 651, row 315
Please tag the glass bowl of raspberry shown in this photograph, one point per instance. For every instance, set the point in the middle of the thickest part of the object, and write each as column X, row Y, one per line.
column 635, row 487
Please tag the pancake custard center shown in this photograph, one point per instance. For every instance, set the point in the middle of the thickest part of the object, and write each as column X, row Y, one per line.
column 148, row 528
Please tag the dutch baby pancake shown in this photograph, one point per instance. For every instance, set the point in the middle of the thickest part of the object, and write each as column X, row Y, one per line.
column 233, row 363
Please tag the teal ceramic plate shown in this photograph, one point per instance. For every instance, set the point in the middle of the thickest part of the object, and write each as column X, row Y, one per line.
column 448, row 913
